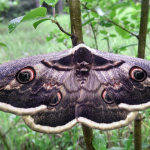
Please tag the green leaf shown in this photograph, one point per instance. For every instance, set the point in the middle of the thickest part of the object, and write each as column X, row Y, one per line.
column 35, row 24
column 112, row 35
column 105, row 23
column 94, row 14
column 38, row 12
column 120, row 31
column 3, row 44
column 41, row 1
column 49, row 37
column 104, row 32
column 129, row 141
column 85, row 15
column 119, row 5
column 99, row 141
column 87, row 21
column 90, row 1
column 51, row 2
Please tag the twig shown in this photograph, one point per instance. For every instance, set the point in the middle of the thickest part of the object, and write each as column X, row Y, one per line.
column 111, row 21
column 145, row 125
column 56, row 22
column 12, row 126
column 4, row 140
column 122, row 27
column 95, row 39
column 70, row 131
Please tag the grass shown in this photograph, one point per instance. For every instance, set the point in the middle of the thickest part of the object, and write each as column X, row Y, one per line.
column 26, row 41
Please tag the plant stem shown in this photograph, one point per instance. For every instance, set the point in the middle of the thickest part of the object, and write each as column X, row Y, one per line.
column 141, row 54
column 75, row 18
column 4, row 140
column 111, row 21
column 137, row 133
column 59, row 26
column 12, row 126
column 76, row 30
column 88, row 136
column 143, row 28
column 95, row 39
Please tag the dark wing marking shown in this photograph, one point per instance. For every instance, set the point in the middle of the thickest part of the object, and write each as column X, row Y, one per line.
column 30, row 98
column 127, row 93
column 94, row 112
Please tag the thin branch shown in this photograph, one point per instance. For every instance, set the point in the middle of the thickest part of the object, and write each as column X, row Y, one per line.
column 4, row 140
column 12, row 126
column 145, row 125
column 85, row 7
column 122, row 27
column 59, row 26
column 95, row 39
column 71, row 135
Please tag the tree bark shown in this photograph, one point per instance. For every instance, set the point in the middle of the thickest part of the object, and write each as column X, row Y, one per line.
column 75, row 18
column 37, row 3
column 141, row 54
column 60, row 6
column 143, row 28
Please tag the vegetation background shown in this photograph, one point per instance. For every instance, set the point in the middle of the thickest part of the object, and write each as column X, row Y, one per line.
column 104, row 30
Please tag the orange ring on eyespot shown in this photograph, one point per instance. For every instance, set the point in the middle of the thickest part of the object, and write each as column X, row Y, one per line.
column 56, row 99
column 137, row 74
column 106, row 97
column 25, row 75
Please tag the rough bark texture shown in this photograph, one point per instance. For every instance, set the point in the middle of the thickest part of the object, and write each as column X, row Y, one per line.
column 143, row 28
column 75, row 18
column 76, row 30
column 137, row 134
column 88, row 136
column 141, row 54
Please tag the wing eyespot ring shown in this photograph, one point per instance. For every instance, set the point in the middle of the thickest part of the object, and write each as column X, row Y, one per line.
column 106, row 97
column 25, row 75
column 137, row 74
column 56, row 99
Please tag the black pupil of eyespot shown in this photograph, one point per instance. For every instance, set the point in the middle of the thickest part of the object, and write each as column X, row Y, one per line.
column 24, row 76
column 54, row 100
column 108, row 98
column 139, row 75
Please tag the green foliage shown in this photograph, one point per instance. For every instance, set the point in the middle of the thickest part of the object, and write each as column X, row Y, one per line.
column 39, row 12
column 50, row 2
column 4, row 4
column 99, row 141
column 3, row 44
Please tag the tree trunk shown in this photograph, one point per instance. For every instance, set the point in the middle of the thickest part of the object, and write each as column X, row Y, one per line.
column 60, row 6
column 37, row 3
column 141, row 54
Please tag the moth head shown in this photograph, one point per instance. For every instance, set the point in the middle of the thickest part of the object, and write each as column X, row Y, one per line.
column 25, row 75
column 137, row 74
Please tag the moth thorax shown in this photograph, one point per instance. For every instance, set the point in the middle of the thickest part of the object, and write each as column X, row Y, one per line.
column 82, row 71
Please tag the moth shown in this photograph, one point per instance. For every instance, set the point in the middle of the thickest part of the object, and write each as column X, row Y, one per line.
column 55, row 91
